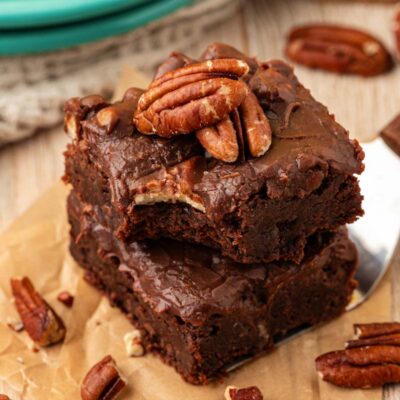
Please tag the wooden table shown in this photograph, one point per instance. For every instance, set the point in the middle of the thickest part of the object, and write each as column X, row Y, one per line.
column 362, row 105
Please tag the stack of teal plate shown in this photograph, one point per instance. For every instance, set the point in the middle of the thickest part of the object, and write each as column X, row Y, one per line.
column 30, row 26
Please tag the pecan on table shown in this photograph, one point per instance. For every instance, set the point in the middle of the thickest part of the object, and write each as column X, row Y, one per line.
column 103, row 381
column 191, row 97
column 338, row 49
column 396, row 29
column 248, row 393
column 370, row 361
column 40, row 321
column 246, row 127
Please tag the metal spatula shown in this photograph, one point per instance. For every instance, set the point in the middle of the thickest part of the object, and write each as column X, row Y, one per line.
column 377, row 232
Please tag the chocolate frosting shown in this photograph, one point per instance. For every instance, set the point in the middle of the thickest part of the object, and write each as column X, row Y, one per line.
column 306, row 144
column 194, row 282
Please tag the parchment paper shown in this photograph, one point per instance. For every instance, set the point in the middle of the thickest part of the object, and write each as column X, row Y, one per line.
column 36, row 246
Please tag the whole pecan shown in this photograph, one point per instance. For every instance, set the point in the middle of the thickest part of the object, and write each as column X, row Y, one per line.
column 227, row 139
column 338, row 49
column 248, row 393
column 191, row 97
column 103, row 381
column 373, row 360
column 40, row 321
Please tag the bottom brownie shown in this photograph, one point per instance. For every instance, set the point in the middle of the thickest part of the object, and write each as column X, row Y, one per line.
column 201, row 312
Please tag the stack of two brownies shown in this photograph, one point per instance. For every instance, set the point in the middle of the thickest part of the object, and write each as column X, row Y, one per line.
column 214, row 245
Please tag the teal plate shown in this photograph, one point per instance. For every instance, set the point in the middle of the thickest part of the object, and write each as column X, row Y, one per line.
column 23, row 14
column 63, row 36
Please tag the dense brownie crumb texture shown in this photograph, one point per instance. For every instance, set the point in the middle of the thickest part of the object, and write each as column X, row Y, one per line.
column 210, row 208
column 201, row 312
column 269, row 162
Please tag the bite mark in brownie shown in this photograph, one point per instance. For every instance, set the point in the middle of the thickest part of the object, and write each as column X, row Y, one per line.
column 257, row 210
column 202, row 312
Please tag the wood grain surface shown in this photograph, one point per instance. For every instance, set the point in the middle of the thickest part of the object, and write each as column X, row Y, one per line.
column 363, row 106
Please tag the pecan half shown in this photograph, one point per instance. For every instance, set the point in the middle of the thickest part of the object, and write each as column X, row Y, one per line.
column 248, row 393
column 41, row 322
column 103, row 381
column 227, row 139
column 364, row 331
column 338, row 49
column 191, row 97
column 373, row 360
column 221, row 50
column 174, row 61
column 396, row 29
column 362, row 368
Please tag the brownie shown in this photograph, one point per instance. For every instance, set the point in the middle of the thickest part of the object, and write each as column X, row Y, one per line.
column 202, row 312
column 257, row 210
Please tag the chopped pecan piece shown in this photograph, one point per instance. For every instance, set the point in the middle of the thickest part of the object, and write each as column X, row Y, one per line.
column 248, row 393
column 338, row 49
column 373, row 360
column 227, row 139
column 77, row 109
column 103, row 381
column 66, row 298
column 41, row 322
column 133, row 343
column 191, row 97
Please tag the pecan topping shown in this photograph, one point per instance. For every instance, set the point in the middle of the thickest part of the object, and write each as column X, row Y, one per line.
column 174, row 61
column 338, row 49
column 191, row 97
column 249, row 393
column 226, row 140
column 373, row 360
column 41, row 322
column 66, row 298
column 221, row 50
column 103, row 381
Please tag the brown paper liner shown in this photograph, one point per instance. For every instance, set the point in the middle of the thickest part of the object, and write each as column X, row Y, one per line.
column 36, row 246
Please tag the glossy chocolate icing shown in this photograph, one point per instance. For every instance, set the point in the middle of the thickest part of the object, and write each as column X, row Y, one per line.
column 307, row 143
column 193, row 281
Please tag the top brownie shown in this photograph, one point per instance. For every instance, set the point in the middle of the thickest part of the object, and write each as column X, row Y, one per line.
column 253, row 208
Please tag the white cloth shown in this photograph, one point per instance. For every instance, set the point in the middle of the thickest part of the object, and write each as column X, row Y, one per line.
column 34, row 87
